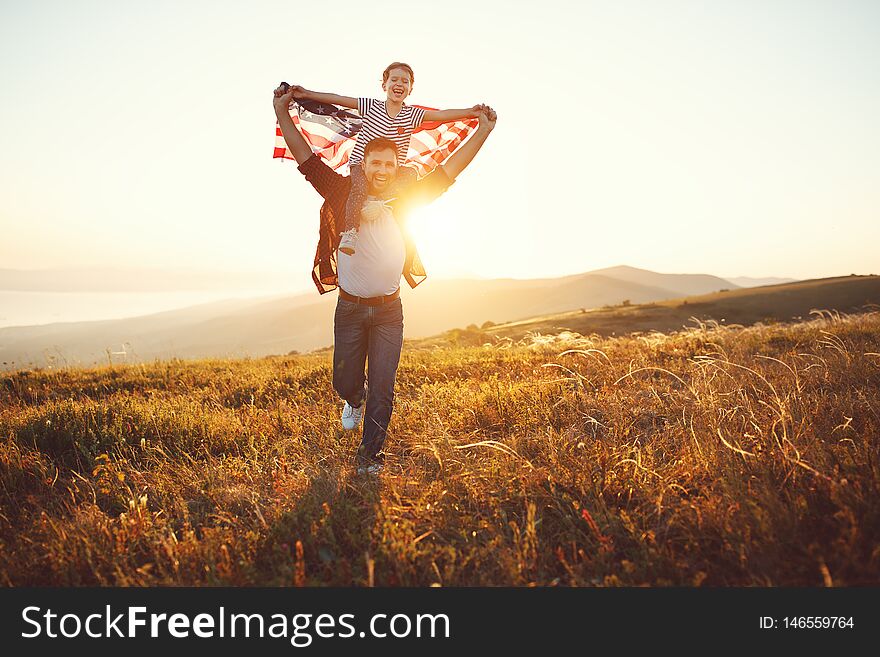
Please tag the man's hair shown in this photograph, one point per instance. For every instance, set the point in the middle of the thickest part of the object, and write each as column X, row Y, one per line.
column 405, row 67
column 380, row 144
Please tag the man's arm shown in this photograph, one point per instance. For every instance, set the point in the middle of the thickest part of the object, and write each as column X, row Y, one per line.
column 445, row 116
column 295, row 141
column 301, row 93
column 326, row 182
column 434, row 184
column 463, row 156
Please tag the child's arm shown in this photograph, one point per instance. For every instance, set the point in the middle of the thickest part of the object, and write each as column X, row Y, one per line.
column 444, row 116
column 301, row 93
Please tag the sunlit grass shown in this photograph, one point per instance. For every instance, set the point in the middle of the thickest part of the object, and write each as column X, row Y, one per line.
column 713, row 456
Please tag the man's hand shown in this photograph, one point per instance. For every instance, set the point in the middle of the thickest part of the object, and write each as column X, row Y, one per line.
column 282, row 97
column 462, row 157
column 488, row 117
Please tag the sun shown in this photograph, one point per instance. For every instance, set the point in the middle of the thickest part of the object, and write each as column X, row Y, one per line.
column 438, row 234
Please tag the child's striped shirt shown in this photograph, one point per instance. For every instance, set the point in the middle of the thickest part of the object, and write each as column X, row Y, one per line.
column 377, row 124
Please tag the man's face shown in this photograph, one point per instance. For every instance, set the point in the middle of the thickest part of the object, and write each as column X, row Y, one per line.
column 380, row 170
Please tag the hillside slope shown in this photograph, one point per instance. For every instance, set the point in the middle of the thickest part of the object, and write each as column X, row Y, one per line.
column 305, row 322
column 744, row 306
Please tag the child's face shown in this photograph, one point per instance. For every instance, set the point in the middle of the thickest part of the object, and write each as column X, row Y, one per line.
column 398, row 85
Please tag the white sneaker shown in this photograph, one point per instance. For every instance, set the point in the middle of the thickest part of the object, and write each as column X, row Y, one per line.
column 348, row 241
column 371, row 469
column 351, row 416
column 369, row 465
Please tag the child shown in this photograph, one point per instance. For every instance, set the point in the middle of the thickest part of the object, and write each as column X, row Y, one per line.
column 391, row 119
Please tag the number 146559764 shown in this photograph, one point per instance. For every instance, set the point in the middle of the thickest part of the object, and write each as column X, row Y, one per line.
column 818, row 622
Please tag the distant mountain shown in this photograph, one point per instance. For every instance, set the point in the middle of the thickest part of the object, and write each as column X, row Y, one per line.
column 771, row 303
column 748, row 281
column 305, row 322
column 115, row 279
column 438, row 305
column 234, row 327
column 682, row 284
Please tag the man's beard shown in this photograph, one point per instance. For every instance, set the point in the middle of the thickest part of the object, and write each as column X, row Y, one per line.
column 372, row 191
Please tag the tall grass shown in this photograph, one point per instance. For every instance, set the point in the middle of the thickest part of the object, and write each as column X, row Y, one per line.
column 712, row 456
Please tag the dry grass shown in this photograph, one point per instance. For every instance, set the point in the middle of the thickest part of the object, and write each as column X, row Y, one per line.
column 714, row 456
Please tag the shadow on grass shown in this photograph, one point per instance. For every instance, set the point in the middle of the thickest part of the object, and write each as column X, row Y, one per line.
column 327, row 538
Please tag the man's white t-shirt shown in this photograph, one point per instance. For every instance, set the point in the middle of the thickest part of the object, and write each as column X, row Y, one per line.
column 377, row 264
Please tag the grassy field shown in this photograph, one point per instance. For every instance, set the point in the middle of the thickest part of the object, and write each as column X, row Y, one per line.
column 713, row 456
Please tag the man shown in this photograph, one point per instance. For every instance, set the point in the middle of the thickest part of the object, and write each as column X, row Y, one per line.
column 368, row 325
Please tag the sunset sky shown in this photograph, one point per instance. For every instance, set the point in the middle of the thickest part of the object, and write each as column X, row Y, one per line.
column 732, row 138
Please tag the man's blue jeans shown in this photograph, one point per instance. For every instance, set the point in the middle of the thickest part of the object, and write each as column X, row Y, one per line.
column 368, row 333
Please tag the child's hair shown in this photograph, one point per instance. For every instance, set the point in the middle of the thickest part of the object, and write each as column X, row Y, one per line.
column 379, row 144
column 405, row 67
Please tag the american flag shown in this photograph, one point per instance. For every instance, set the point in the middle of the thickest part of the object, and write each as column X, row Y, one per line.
column 331, row 132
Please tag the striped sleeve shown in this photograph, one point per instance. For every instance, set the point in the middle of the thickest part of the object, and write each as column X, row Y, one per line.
column 364, row 105
column 417, row 117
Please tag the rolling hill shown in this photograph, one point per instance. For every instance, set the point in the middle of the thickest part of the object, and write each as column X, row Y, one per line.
column 305, row 322
column 772, row 303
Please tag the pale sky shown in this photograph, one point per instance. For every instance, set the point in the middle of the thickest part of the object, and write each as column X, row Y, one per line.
column 731, row 138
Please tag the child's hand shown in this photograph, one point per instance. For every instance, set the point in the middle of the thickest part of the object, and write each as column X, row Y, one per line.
column 479, row 109
column 297, row 90
column 373, row 210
